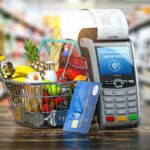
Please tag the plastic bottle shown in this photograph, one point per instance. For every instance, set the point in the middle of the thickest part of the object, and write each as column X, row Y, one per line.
column 50, row 73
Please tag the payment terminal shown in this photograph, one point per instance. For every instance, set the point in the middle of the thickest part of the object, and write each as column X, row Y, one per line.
column 112, row 62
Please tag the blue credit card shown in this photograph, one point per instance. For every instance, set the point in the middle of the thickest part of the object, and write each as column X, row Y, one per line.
column 82, row 107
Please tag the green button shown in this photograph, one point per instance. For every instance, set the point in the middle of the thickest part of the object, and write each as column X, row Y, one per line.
column 133, row 117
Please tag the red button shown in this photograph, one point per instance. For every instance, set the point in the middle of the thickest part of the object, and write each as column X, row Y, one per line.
column 110, row 118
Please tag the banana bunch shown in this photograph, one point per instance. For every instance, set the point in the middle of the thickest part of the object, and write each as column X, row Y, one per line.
column 21, row 72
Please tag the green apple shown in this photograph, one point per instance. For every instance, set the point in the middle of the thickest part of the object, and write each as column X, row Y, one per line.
column 46, row 86
column 54, row 89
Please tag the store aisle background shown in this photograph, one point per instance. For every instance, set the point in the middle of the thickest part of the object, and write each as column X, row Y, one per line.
column 37, row 19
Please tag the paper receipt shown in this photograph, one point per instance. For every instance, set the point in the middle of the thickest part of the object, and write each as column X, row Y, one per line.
column 111, row 24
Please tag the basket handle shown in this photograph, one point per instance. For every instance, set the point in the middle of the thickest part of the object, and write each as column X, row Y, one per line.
column 46, row 41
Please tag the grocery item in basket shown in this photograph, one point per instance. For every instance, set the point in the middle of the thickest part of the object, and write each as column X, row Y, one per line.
column 56, row 118
column 34, row 77
column 54, row 89
column 32, row 52
column 46, row 98
column 33, row 99
column 71, row 73
column 61, row 78
column 50, row 73
column 58, row 100
column 6, row 68
column 46, row 108
column 17, row 111
column 36, row 105
column 65, row 53
column 80, row 78
column 26, row 104
column 19, row 79
column 33, row 119
column 22, row 71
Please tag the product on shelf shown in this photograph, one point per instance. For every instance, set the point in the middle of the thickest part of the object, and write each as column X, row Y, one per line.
column 33, row 55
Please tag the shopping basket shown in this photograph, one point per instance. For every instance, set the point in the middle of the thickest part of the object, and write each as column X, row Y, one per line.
column 26, row 99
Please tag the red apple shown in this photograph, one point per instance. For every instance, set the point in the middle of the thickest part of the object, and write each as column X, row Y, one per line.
column 46, row 99
column 58, row 100
column 46, row 108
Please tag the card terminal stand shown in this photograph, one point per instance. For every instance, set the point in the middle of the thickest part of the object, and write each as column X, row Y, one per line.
column 112, row 62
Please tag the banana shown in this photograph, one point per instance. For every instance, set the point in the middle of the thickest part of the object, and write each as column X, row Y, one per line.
column 16, row 75
column 23, row 71
column 25, row 68
column 20, row 79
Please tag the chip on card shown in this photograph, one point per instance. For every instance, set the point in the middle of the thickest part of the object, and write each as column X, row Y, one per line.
column 82, row 106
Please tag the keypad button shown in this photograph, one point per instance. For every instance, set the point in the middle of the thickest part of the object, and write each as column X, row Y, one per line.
column 108, row 93
column 110, row 118
column 120, row 99
column 132, row 104
column 132, row 110
column 132, row 97
column 121, row 105
column 109, row 105
column 133, row 117
column 110, row 112
column 132, row 91
column 119, row 93
column 121, row 111
column 121, row 118
column 108, row 99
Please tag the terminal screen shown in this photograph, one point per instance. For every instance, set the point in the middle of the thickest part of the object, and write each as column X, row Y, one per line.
column 114, row 60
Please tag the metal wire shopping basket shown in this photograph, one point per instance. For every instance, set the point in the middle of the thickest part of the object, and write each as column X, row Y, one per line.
column 26, row 99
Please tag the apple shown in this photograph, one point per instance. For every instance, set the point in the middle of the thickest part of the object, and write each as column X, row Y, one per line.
column 54, row 89
column 46, row 86
column 46, row 98
column 46, row 108
column 58, row 100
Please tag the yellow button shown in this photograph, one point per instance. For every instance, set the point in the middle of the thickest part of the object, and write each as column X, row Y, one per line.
column 121, row 118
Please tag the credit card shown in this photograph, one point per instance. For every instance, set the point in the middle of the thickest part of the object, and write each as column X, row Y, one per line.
column 82, row 106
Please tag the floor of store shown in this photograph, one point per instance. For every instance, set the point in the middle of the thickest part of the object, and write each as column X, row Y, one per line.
column 16, row 137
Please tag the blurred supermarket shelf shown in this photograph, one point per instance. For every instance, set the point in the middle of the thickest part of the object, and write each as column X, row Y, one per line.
column 22, row 36
column 22, row 20
column 143, row 65
column 144, row 79
column 142, row 23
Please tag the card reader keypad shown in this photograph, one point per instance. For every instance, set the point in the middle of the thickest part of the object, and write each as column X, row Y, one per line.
column 120, row 104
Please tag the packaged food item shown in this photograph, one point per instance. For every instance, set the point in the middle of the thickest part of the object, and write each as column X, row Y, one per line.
column 17, row 111
column 56, row 118
column 33, row 100
column 34, row 77
column 33, row 119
